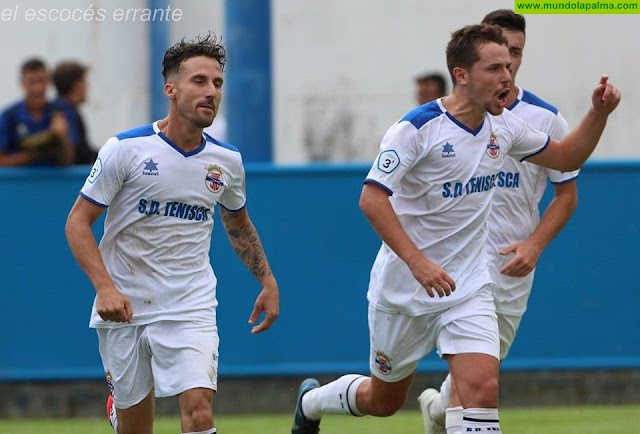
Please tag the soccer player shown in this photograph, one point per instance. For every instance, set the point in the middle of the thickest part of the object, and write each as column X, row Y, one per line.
column 517, row 236
column 155, row 305
column 428, row 197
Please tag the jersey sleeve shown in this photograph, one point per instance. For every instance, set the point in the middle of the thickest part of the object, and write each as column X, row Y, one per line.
column 234, row 196
column 107, row 175
column 559, row 129
column 398, row 153
column 526, row 140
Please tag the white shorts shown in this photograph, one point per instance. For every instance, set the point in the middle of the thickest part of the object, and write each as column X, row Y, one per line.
column 507, row 326
column 172, row 356
column 399, row 341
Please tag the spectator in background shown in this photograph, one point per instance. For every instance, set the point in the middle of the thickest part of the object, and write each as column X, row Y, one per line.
column 69, row 78
column 32, row 130
column 430, row 86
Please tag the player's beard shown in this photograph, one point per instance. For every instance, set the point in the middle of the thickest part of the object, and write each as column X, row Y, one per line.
column 194, row 117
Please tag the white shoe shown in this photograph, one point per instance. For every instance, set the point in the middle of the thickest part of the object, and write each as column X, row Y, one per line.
column 429, row 399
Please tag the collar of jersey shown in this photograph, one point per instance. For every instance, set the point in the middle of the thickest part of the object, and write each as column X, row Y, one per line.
column 176, row 147
column 457, row 122
column 463, row 126
column 518, row 99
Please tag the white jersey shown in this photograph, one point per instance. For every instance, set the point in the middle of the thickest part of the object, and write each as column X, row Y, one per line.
column 441, row 176
column 514, row 214
column 157, row 231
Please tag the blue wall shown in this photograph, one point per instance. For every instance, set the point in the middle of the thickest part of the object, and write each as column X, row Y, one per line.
column 584, row 312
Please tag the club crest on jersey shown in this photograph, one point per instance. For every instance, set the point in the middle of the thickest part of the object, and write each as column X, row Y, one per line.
column 383, row 363
column 150, row 168
column 493, row 149
column 213, row 180
column 448, row 151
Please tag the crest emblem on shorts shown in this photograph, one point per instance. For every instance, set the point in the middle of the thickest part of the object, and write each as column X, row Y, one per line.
column 213, row 180
column 383, row 363
column 109, row 381
column 493, row 149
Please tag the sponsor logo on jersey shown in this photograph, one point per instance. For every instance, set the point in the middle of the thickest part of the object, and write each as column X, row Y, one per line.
column 383, row 363
column 493, row 149
column 388, row 161
column 448, row 151
column 150, row 168
column 213, row 180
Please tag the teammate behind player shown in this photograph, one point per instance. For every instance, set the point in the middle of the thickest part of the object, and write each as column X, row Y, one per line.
column 155, row 305
column 517, row 236
column 428, row 197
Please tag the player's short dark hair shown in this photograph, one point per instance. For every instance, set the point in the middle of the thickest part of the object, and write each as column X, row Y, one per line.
column 66, row 74
column 462, row 49
column 438, row 78
column 32, row 64
column 507, row 19
column 209, row 46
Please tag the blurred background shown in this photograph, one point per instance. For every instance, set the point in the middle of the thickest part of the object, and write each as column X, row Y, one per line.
column 310, row 88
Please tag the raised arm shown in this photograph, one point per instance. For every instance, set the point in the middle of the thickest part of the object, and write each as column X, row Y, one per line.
column 574, row 149
column 246, row 243
column 110, row 303
column 375, row 204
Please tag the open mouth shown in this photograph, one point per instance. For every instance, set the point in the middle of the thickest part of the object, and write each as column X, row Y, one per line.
column 502, row 95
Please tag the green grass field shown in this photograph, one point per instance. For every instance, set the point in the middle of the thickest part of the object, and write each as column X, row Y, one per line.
column 557, row 420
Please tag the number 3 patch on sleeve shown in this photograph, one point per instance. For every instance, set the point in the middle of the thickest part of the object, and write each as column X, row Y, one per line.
column 388, row 161
column 96, row 171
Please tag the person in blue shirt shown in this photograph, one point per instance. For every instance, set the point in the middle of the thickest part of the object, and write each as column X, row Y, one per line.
column 32, row 131
column 69, row 79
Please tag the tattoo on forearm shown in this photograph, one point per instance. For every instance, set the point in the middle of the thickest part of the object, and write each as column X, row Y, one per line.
column 246, row 243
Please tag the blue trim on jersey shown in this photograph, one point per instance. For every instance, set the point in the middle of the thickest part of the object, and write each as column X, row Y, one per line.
column 95, row 202
column 463, row 126
column 573, row 178
column 530, row 98
column 143, row 131
column 538, row 151
column 220, row 143
column 379, row 184
column 423, row 114
column 513, row 104
column 177, row 148
column 234, row 210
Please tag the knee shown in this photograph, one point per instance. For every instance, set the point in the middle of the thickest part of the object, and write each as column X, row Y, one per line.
column 385, row 408
column 198, row 415
column 483, row 392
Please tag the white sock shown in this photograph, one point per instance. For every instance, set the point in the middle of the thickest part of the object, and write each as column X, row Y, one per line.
column 454, row 420
column 209, row 431
column 337, row 397
column 445, row 391
column 481, row 420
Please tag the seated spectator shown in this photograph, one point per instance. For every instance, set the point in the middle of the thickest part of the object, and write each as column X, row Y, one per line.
column 32, row 131
column 69, row 79
column 430, row 86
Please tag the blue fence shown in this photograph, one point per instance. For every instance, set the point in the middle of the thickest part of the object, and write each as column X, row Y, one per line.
column 584, row 312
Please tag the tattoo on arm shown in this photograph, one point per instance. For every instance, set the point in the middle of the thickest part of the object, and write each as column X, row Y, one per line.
column 245, row 241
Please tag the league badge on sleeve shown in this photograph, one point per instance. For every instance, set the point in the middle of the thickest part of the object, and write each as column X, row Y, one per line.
column 388, row 160
column 96, row 171
column 493, row 149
